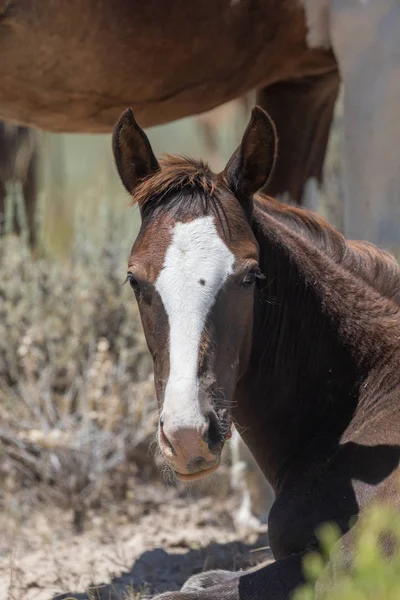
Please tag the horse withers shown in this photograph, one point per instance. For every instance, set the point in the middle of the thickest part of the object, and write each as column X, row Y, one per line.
column 262, row 314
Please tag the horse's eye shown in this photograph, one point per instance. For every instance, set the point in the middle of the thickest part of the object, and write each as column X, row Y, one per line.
column 133, row 282
column 252, row 275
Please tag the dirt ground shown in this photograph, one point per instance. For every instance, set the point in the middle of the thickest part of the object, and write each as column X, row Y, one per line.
column 151, row 542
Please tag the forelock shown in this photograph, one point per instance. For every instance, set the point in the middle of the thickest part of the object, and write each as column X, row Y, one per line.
column 182, row 187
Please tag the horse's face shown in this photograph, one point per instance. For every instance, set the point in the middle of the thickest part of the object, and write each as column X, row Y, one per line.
column 194, row 289
column 193, row 268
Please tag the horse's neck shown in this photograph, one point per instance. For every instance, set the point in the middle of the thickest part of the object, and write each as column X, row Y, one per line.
column 318, row 331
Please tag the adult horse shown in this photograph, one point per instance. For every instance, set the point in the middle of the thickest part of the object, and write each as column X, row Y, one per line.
column 19, row 162
column 263, row 314
column 75, row 67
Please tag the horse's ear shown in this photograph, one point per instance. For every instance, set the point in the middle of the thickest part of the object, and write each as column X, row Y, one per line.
column 251, row 165
column 133, row 154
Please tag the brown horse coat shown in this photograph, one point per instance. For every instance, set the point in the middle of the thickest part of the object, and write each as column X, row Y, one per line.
column 76, row 67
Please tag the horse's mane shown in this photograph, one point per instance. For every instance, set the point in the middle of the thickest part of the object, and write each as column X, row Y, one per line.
column 182, row 182
column 378, row 268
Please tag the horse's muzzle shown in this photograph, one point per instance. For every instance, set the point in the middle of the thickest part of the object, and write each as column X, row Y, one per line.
column 191, row 452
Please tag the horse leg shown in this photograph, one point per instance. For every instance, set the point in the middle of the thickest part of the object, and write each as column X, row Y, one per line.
column 30, row 190
column 247, row 478
column 302, row 111
column 275, row 581
column 207, row 579
column 366, row 41
column 2, row 207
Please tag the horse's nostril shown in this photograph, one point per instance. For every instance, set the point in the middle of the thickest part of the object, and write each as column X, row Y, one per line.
column 165, row 439
column 212, row 434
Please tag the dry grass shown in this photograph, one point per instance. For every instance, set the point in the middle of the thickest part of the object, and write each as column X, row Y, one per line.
column 76, row 401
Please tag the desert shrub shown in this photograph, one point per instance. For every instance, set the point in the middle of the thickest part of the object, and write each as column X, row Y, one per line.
column 76, row 396
column 374, row 573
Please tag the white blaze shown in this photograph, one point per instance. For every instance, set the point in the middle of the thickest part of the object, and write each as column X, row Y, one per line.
column 196, row 266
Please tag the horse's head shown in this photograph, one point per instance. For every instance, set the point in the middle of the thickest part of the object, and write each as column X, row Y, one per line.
column 193, row 268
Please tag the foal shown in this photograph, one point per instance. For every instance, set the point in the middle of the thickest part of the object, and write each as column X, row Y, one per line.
column 262, row 314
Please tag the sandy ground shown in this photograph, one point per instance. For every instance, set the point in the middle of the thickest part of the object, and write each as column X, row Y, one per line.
column 151, row 542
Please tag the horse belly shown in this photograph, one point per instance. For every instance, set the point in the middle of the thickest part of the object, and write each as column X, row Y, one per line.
column 77, row 68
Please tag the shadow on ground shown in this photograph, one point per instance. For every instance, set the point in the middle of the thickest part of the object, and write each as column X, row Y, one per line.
column 157, row 571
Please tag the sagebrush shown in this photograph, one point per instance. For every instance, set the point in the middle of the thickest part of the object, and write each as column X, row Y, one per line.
column 76, row 395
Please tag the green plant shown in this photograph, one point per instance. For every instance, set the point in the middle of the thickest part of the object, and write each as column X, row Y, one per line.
column 374, row 573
